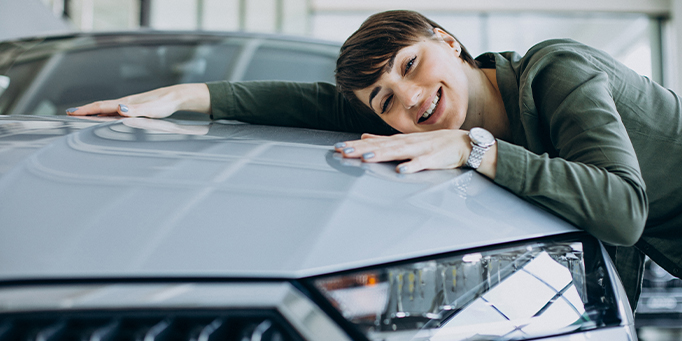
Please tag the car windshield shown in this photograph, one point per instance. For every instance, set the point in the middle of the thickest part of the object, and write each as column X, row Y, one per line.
column 47, row 77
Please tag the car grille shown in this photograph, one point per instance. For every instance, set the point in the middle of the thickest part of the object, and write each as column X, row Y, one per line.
column 147, row 325
column 239, row 311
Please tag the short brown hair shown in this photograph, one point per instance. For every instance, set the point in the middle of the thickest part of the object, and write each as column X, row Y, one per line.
column 379, row 38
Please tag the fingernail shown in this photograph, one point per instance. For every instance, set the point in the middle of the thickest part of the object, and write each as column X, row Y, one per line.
column 348, row 150
column 402, row 169
column 123, row 107
column 70, row 110
column 339, row 145
column 367, row 156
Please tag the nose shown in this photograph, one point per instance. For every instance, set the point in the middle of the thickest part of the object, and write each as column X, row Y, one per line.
column 409, row 94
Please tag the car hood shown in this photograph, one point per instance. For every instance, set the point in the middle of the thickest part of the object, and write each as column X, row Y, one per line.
column 148, row 198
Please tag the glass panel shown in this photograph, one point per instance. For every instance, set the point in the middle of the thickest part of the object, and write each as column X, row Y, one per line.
column 48, row 86
column 626, row 37
column 289, row 64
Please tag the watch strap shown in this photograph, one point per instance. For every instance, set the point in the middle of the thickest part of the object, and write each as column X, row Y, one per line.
column 476, row 156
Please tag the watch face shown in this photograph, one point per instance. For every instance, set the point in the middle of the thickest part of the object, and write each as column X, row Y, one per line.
column 481, row 137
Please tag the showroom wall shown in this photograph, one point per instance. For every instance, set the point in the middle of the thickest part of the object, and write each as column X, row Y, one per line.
column 640, row 33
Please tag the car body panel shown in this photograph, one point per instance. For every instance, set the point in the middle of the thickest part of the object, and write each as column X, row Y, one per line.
column 111, row 200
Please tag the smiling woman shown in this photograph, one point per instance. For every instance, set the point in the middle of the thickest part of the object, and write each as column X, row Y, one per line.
column 565, row 127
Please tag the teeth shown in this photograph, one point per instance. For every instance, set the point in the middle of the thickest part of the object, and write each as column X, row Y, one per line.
column 429, row 111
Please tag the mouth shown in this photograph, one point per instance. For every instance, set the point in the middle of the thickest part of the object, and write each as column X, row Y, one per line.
column 432, row 107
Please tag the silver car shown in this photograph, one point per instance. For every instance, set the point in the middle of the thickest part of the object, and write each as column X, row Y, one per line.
column 138, row 229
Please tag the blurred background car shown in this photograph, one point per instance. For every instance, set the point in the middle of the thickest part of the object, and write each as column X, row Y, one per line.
column 45, row 76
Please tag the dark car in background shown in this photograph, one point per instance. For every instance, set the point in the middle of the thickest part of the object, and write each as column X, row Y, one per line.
column 184, row 229
column 45, row 76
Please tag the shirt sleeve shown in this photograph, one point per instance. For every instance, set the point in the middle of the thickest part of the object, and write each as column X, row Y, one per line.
column 304, row 105
column 589, row 174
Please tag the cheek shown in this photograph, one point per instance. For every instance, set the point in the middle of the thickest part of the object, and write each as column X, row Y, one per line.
column 459, row 89
column 399, row 122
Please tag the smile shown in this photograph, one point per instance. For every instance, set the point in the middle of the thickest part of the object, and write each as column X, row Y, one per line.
column 431, row 108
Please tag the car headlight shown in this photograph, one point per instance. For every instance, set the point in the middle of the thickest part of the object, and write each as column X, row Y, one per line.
column 514, row 292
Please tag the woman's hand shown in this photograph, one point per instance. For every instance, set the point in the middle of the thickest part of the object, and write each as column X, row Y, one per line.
column 158, row 103
column 440, row 149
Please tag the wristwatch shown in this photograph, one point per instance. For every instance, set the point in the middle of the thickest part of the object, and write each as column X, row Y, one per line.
column 481, row 141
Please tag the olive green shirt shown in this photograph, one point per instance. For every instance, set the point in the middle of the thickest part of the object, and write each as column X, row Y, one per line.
column 592, row 141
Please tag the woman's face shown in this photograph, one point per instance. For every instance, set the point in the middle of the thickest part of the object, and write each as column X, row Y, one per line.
column 424, row 88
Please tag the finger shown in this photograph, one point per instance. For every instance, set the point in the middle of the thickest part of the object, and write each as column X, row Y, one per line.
column 339, row 147
column 347, row 148
column 124, row 110
column 412, row 166
column 370, row 136
column 357, row 148
column 377, row 149
column 95, row 108
column 404, row 168
column 393, row 151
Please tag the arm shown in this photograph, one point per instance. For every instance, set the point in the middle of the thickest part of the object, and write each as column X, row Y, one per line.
column 306, row 105
column 592, row 178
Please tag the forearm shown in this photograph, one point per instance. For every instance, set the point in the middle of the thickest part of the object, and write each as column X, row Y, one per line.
column 306, row 105
column 610, row 204
column 188, row 97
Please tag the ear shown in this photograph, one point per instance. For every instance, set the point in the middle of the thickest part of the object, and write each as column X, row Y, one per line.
column 446, row 38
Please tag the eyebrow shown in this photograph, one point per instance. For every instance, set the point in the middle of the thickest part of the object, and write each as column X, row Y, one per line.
column 386, row 69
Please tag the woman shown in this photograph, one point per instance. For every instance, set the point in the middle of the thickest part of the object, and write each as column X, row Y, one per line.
column 575, row 131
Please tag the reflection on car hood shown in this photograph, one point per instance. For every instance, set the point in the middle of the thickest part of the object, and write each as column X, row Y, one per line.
column 83, row 199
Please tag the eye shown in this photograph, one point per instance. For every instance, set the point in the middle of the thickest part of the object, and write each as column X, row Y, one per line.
column 409, row 64
column 386, row 104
